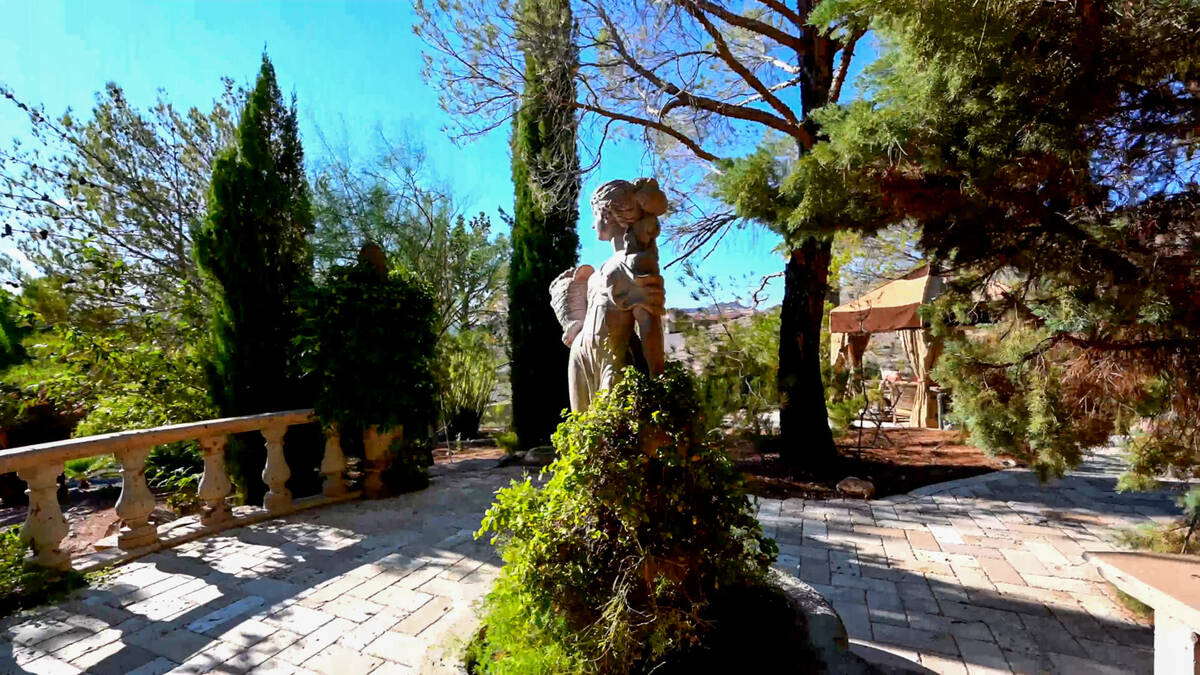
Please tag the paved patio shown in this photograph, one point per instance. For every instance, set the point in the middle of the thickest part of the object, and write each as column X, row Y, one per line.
column 364, row 587
column 983, row 575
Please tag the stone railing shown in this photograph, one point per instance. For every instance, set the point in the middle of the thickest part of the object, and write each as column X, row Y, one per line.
column 40, row 465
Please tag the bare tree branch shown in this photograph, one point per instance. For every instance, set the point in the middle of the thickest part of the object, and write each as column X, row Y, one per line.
column 839, row 78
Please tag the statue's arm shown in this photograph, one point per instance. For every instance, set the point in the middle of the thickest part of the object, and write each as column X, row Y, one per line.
column 643, row 291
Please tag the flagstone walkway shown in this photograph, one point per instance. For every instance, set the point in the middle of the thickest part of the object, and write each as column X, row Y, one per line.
column 982, row 575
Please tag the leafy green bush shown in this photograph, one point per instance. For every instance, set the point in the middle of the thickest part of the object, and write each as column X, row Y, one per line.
column 1178, row 537
column 508, row 441
column 409, row 470
column 843, row 412
column 176, row 468
column 368, row 344
column 85, row 469
column 23, row 586
column 167, row 464
column 610, row 566
column 13, row 328
column 467, row 365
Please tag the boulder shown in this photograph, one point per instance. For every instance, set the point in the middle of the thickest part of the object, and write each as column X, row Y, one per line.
column 540, row 456
column 856, row 487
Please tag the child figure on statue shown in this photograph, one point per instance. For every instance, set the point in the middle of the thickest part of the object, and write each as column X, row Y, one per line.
column 641, row 257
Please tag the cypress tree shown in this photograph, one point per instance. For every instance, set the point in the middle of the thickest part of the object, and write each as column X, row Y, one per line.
column 546, row 178
column 254, row 249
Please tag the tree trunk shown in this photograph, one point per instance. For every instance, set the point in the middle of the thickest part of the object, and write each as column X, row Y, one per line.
column 803, row 421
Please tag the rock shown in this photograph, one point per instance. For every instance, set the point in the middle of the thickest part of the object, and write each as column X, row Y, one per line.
column 856, row 487
column 539, row 456
column 511, row 458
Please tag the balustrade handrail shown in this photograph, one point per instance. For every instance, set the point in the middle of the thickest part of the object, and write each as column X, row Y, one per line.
column 16, row 459
column 40, row 466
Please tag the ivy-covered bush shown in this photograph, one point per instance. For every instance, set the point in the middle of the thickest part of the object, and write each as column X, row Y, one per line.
column 610, row 567
column 368, row 345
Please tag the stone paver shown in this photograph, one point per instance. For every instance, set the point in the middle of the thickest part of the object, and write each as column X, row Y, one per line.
column 363, row 587
column 983, row 575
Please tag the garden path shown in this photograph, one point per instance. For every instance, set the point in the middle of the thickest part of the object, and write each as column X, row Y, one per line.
column 377, row 587
column 980, row 575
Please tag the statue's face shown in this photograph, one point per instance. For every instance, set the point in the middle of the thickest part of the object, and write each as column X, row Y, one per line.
column 606, row 226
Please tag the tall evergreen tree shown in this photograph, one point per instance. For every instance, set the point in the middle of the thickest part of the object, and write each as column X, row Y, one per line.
column 254, row 248
column 544, row 240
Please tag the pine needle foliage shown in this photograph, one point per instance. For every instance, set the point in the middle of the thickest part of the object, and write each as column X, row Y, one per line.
column 1047, row 152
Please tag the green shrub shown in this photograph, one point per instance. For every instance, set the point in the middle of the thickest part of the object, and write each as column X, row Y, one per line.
column 1177, row 537
column 738, row 368
column 408, row 471
column 467, row 365
column 508, row 441
column 368, row 346
column 843, row 412
column 176, row 468
column 22, row 585
column 610, row 566
column 85, row 469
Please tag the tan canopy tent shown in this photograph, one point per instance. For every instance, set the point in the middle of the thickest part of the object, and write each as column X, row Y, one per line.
column 893, row 306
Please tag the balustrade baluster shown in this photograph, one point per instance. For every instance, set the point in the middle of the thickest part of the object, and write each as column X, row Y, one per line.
column 276, row 472
column 45, row 525
column 214, row 484
column 333, row 463
column 136, row 502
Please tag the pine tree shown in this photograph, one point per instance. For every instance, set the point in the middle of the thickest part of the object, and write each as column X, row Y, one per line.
column 254, row 249
column 1046, row 151
column 544, row 240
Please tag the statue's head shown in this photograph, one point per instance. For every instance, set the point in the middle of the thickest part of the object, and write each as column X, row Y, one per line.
column 618, row 204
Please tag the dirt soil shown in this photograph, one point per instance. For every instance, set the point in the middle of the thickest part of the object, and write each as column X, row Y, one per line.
column 444, row 455
column 896, row 461
column 90, row 517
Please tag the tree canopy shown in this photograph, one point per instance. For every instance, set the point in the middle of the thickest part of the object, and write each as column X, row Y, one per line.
column 108, row 204
column 1047, row 151
column 391, row 201
column 696, row 81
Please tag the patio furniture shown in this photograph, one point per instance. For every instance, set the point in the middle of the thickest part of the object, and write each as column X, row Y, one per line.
column 1171, row 585
column 876, row 412
column 904, row 395
column 894, row 306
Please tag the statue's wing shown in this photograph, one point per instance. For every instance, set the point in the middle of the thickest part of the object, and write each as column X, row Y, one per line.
column 568, row 297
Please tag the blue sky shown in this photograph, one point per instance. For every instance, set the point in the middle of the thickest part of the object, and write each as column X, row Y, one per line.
column 354, row 66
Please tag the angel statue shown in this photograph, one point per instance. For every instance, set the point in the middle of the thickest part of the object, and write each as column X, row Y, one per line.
column 613, row 318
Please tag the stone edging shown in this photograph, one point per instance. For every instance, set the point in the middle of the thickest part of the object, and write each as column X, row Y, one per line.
column 826, row 634
column 999, row 474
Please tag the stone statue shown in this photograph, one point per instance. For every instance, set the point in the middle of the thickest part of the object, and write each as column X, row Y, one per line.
column 612, row 318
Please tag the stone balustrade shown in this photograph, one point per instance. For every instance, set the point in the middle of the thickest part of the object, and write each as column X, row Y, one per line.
column 40, row 465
